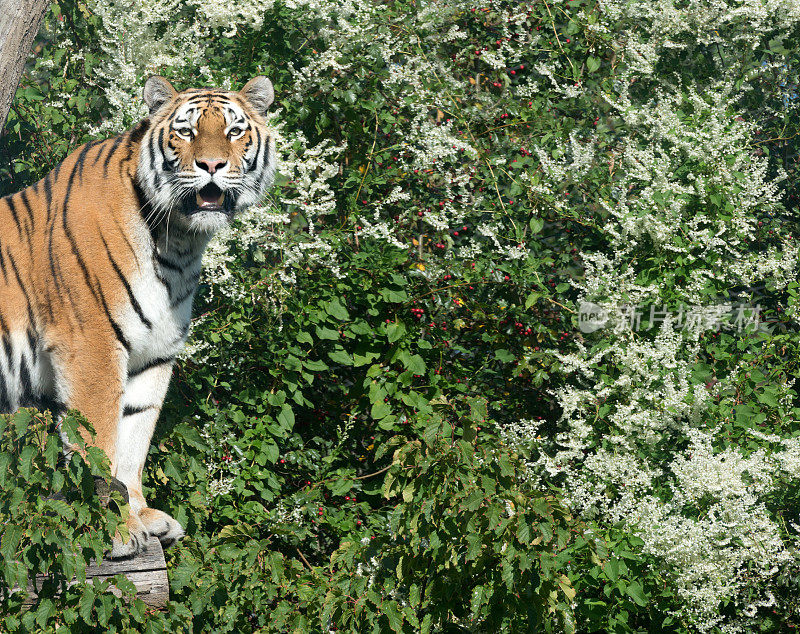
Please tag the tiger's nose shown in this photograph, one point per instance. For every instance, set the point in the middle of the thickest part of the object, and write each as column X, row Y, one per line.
column 210, row 165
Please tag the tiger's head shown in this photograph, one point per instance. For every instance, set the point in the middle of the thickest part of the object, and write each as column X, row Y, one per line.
column 206, row 155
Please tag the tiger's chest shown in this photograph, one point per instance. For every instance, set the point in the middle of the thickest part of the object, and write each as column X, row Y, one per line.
column 158, row 314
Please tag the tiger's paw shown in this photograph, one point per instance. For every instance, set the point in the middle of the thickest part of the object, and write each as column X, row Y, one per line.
column 161, row 525
column 136, row 542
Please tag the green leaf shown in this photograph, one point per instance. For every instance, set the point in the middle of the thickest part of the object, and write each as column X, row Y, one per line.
column 476, row 601
column 474, row 542
column 380, row 409
column 270, row 451
column 304, row 337
column 45, row 610
column 611, row 568
column 22, row 419
column 414, row 363
column 326, row 333
column 507, row 573
column 315, row 366
column 25, row 463
column 767, row 396
column 636, row 592
column 393, row 296
column 392, row 612
column 341, row 357
column 523, row 530
column 286, row 417
column 86, row 604
column 414, row 595
column 532, row 299
column 395, row 331
column 335, row 309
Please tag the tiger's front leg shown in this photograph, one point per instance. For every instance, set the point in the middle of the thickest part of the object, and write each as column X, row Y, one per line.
column 143, row 396
column 89, row 377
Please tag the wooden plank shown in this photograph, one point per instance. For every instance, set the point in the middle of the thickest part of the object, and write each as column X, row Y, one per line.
column 151, row 559
column 147, row 571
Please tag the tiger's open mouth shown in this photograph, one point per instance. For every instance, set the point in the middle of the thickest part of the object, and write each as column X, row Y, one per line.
column 210, row 198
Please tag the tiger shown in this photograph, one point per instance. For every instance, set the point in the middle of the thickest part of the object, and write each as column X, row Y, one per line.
column 100, row 261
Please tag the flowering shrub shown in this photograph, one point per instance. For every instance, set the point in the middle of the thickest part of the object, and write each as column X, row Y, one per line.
column 460, row 180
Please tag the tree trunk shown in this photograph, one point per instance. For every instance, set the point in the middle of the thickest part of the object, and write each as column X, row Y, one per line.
column 19, row 23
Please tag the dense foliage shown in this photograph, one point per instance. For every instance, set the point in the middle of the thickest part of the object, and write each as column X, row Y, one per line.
column 389, row 418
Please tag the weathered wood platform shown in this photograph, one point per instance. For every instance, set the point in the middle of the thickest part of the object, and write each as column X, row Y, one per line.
column 147, row 571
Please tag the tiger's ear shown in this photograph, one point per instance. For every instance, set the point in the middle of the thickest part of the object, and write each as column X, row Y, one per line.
column 157, row 92
column 258, row 91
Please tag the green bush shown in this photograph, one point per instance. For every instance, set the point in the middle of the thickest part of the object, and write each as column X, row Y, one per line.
column 54, row 523
column 387, row 360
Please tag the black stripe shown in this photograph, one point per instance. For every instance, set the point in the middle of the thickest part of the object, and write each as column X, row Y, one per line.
column 33, row 345
column 48, row 304
column 164, row 282
column 174, row 110
column 52, row 261
column 25, row 380
column 13, row 209
column 72, row 242
column 22, row 288
column 66, row 292
column 185, row 330
column 100, row 153
column 258, row 148
column 179, row 300
column 164, row 162
column 5, row 406
column 8, row 348
column 54, row 174
column 27, row 204
column 3, row 265
column 134, row 302
column 107, row 160
column 78, row 164
column 130, row 410
column 82, row 157
column 125, row 238
column 149, row 365
column 129, row 151
column 151, row 147
column 143, row 203
column 138, row 132
column 48, row 191
column 81, row 263
column 168, row 264
column 114, row 325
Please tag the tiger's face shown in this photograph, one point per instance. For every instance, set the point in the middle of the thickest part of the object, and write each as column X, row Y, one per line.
column 207, row 154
